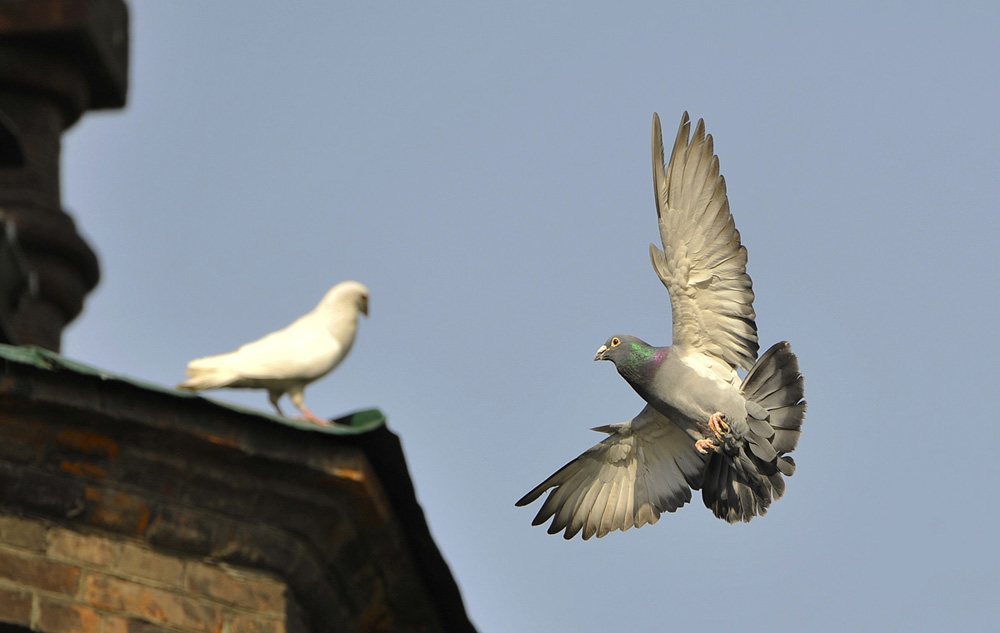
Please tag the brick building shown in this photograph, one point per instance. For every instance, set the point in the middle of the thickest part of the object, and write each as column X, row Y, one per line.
column 127, row 507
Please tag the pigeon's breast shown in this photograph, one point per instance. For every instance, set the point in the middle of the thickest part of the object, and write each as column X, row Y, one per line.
column 687, row 390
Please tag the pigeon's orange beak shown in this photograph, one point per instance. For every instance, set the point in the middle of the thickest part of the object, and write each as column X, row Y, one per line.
column 601, row 351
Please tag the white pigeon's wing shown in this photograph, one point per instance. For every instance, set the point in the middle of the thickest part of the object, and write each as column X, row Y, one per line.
column 304, row 350
column 645, row 466
column 703, row 263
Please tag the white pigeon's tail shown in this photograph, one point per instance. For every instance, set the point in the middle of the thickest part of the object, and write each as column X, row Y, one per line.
column 202, row 378
column 741, row 481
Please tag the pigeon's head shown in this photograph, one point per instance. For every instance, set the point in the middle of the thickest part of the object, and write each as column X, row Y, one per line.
column 347, row 295
column 624, row 350
column 362, row 302
column 633, row 358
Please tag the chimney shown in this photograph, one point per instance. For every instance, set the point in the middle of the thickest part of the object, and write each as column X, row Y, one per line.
column 58, row 59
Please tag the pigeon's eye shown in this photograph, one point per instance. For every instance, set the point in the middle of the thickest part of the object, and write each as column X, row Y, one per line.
column 615, row 342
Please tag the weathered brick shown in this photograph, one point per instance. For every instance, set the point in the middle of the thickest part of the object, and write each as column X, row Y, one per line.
column 251, row 591
column 83, row 469
column 232, row 493
column 240, row 623
column 115, row 624
column 155, row 605
column 118, row 624
column 22, row 533
column 39, row 573
column 23, row 440
column 184, row 529
column 81, row 547
column 145, row 563
column 61, row 617
column 150, row 470
column 316, row 519
column 118, row 510
column 15, row 606
column 324, row 601
column 40, row 490
column 140, row 626
column 87, row 442
column 262, row 547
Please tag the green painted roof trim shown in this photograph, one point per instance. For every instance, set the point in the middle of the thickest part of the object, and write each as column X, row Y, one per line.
column 34, row 356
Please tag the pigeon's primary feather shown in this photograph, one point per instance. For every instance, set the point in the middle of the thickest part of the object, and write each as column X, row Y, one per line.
column 702, row 427
column 289, row 359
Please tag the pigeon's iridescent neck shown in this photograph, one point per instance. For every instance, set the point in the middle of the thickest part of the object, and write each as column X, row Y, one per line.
column 641, row 364
column 646, row 354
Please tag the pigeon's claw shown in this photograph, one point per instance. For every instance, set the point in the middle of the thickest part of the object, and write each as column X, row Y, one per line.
column 720, row 428
column 704, row 446
column 718, row 424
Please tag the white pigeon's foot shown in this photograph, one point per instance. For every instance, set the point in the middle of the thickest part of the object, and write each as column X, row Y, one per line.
column 704, row 446
column 312, row 417
column 299, row 401
column 717, row 423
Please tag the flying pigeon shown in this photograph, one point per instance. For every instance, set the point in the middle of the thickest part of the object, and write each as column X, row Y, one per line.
column 289, row 359
column 702, row 426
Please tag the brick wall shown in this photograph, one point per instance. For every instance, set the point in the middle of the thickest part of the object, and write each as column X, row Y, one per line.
column 133, row 467
column 56, row 580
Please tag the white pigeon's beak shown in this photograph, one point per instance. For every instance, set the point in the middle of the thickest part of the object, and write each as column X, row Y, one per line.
column 600, row 352
column 364, row 306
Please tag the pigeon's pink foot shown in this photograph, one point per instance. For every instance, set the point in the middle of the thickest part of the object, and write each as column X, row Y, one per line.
column 704, row 446
column 315, row 419
column 718, row 424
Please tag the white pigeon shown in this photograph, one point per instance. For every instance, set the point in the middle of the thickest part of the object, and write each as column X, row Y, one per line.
column 289, row 359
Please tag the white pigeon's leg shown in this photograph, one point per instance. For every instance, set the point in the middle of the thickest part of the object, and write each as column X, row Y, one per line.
column 299, row 401
column 274, row 396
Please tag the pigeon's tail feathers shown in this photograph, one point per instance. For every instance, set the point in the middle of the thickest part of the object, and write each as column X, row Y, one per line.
column 776, row 385
column 202, row 378
column 644, row 467
column 741, row 483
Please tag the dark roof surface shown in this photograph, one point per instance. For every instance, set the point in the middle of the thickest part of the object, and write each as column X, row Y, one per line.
column 351, row 424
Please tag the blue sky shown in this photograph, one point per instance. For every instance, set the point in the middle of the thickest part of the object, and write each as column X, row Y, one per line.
column 485, row 170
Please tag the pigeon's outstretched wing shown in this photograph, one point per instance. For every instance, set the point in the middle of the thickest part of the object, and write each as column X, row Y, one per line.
column 645, row 466
column 703, row 263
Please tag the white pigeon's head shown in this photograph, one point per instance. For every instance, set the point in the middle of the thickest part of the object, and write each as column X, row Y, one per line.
column 346, row 296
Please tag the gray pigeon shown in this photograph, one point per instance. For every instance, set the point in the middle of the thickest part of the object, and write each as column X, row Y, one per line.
column 702, row 426
column 289, row 359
